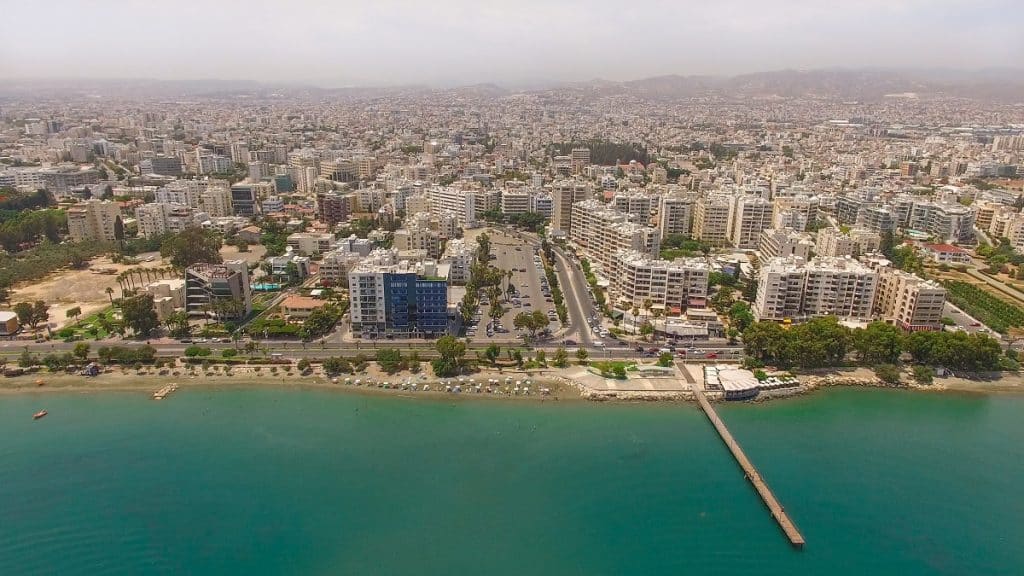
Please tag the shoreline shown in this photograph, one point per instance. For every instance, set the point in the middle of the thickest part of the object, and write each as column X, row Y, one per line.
column 562, row 388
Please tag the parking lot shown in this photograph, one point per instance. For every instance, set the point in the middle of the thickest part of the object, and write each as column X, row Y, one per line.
column 531, row 290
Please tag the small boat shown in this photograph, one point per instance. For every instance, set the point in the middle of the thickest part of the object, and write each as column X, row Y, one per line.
column 39, row 414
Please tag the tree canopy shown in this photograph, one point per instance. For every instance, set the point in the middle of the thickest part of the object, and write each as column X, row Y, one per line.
column 192, row 245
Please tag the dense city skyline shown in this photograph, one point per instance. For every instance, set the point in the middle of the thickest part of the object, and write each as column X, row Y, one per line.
column 447, row 43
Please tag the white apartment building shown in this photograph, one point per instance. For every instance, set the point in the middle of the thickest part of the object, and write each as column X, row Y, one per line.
column 157, row 219
column 459, row 256
column 515, row 201
column 910, row 302
column 462, row 203
column 751, row 215
column 216, row 201
column 711, row 219
column 602, row 232
column 95, row 221
column 794, row 289
column 795, row 212
column 310, row 243
column 671, row 286
column 637, row 204
column 564, row 194
column 833, row 242
column 784, row 242
column 675, row 215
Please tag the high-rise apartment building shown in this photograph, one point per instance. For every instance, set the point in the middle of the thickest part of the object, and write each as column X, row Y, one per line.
column 794, row 289
column 95, row 221
column 402, row 299
column 783, row 242
column 675, row 215
column 910, row 302
column 565, row 193
column 711, row 218
column 670, row 286
column 218, row 291
column 750, row 216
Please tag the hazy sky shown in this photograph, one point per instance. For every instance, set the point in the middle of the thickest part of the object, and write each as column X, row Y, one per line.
column 337, row 43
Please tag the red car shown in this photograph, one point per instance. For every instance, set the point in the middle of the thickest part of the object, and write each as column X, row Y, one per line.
column 681, row 353
column 711, row 355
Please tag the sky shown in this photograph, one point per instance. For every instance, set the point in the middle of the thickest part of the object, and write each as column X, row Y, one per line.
column 448, row 42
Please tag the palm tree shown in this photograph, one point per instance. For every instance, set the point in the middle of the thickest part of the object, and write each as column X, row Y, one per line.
column 110, row 294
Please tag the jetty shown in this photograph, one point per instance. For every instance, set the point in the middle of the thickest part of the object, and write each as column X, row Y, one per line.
column 751, row 473
column 164, row 392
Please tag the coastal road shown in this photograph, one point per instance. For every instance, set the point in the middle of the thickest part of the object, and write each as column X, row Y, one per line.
column 291, row 349
column 577, row 298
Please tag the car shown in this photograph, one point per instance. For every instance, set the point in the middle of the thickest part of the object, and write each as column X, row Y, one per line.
column 711, row 355
column 570, row 342
column 527, row 304
column 639, row 348
column 681, row 353
column 975, row 324
column 185, row 340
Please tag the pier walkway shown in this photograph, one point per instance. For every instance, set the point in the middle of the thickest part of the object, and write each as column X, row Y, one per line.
column 776, row 509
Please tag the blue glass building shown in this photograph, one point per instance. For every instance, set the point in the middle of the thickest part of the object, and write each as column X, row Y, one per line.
column 415, row 305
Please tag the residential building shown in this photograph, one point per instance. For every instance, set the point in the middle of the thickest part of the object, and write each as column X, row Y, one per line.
column 910, row 302
column 95, row 221
column 218, row 290
column 711, row 219
column 310, row 243
column 675, row 215
column 564, row 194
column 750, row 216
column 783, row 242
column 333, row 207
column 834, row 242
column 602, row 232
column 515, row 201
column 794, row 289
column 670, row 286
column 398, row 298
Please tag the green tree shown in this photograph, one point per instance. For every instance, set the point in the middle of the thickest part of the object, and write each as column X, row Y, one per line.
column 451, row 352
column 818, row 342
column 390, row 360
column 887, row 373
column 24, row 312
column 923, row 374
column 492, row 353
column 73, row 313
column 337, row 365
column 878, row 343
column 40, row 313
column 139, row 314
column 561, row 357
column 665, row 359
column 192, row 245
column 81, row 351
column 582, row 354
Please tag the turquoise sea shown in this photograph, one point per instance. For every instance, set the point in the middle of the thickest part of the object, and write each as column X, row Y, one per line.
column 267, row 481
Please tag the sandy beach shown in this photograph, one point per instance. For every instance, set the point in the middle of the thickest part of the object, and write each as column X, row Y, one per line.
column 370, row 382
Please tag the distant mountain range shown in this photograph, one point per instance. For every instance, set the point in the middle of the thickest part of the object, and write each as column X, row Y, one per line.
column 1005, row 85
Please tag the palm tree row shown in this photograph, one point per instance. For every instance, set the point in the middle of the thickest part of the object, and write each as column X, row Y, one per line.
column 134, row 278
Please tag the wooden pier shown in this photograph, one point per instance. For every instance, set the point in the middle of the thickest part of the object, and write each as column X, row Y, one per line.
column 776, row 509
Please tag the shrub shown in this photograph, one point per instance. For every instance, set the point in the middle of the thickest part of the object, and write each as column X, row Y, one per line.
column 923, row 374
column 887, row 373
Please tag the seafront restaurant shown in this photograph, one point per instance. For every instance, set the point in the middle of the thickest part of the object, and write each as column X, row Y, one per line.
column 734, row 383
